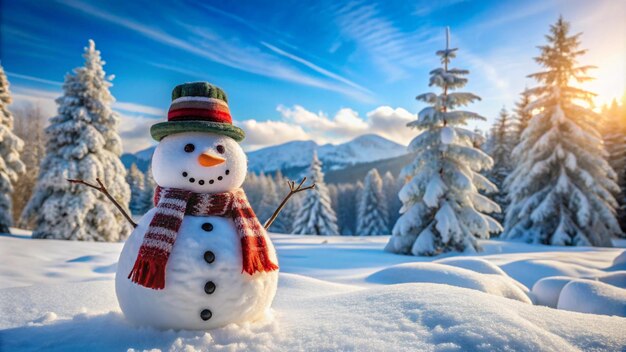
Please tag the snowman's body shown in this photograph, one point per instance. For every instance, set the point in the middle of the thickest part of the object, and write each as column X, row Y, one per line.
column 204, row 283
column 234, row 297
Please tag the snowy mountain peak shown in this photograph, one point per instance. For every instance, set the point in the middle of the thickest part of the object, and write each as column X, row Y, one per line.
column 297, row 155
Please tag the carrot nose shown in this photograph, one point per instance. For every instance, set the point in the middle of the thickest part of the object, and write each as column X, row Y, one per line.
column 206, row 159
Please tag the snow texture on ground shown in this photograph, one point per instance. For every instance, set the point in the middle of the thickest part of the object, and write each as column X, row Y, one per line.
column 335, row 293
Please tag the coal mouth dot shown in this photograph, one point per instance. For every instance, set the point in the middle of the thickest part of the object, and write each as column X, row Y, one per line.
column 185, row 174
column 219, row 178
column 201, row 182
column 211, row 181
column 227, row 172
column 192, row 180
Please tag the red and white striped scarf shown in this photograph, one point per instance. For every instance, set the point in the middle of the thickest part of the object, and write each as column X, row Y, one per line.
column 172, row 205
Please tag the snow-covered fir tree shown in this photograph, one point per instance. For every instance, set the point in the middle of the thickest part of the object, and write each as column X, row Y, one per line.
column 149, row 185
column 522, row 116
column 316, row 215
column 501, row 146
column 333, row 195
column 82, row 143
column 29, row 124
column 346, row 208
column 372, row 216
column 442, row 209
column 136, row 182
column 255, row 188
column 287, row 216
column 391, row 187
column 614, row 135
column 269, row 202
column 11, row 167
column 562, row 188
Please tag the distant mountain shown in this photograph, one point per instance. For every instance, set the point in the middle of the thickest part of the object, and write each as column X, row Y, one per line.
column 294, row 158
column 142, row 158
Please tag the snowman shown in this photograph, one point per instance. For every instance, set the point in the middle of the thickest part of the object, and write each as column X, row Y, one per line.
column 200, row 259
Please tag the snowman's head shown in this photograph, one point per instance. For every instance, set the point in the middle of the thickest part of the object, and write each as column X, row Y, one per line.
column 200, row 162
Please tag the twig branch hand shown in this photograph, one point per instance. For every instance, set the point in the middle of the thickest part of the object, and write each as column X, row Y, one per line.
column 293, row 189
column 100, row 187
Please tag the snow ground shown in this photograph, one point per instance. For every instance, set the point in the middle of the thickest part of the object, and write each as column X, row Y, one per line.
column 335, row 293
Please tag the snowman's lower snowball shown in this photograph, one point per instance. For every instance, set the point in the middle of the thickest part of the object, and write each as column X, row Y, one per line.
column 236, row 297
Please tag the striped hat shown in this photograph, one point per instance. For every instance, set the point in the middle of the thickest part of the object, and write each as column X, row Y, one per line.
column 198, row 107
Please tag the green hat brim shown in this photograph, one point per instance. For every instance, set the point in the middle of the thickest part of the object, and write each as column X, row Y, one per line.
column 163, row 129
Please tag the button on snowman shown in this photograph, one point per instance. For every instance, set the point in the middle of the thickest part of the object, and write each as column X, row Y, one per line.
column 200, row 259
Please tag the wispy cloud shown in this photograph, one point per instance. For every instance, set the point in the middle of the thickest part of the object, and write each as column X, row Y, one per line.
column 522, row 10
column 393, row 50
column 314, row 67
column 34, row 79
column 138, row 108
column 425, row 8
column 226, row 51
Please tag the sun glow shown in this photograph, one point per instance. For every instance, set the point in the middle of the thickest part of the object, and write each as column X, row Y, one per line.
column 610, row 79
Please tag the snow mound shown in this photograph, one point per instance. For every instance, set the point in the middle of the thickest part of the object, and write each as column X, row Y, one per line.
column 498, row 285
column 529, row 271
column 588, row 296
column 547, row 290
column 474, row 264
column 620, row 261
column 617, row 279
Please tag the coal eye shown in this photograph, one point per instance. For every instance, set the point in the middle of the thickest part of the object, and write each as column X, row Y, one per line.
column 220, row 149
column 190, row 148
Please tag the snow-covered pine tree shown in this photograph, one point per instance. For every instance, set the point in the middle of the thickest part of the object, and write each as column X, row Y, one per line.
column 29, row 124
column 391, row 187
column 269, row 202
column 281, row 224
column 136, row 182
column 522, row 116
column 149, row 185
column 333, row 195
column 561, row 189
column 372, row 216
column 347, row 202
column 316, row 215
column 500, row 151
column 252, row 188
column 614, row 135
column 286, row 218
column 10, row 147
column 82, row 143
column 442, row 209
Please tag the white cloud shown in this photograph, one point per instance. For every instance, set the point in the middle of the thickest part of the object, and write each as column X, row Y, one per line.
column 262, row 134
column 295, row 123
column 391, row 123
column 40, row 97
column 135, row 132
column 134, row 125
column 298, row 123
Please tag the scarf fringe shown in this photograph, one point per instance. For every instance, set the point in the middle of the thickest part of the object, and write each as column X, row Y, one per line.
column 148, row 272
column 255, row 255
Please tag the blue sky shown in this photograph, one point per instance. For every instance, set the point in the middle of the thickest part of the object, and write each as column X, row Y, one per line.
column 326, row 70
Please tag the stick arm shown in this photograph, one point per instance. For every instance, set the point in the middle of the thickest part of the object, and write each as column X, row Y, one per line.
column 101, row 188
column 293, row 189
